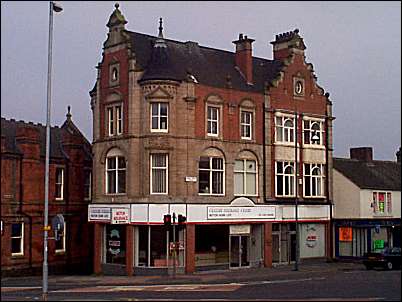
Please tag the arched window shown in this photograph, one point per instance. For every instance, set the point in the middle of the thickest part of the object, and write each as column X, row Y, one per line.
column 284, row 129
column 246, row 175
column 211, row 173
column 313, row 180
column 285, row 178
column 313, row 132
column 115, row 172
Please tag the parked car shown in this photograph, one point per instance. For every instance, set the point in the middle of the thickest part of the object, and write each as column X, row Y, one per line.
column 388, row 258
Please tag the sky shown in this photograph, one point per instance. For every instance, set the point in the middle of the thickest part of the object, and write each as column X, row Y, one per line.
column 355, row 48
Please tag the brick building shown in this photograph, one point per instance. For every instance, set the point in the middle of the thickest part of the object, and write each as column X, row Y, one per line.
column 23, row 152
column 208, row 134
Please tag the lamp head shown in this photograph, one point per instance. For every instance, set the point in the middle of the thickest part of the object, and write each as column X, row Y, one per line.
column 56, row 7
column 315, row 137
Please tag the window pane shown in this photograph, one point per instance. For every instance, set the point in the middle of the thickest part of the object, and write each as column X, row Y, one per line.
column 16, row 245
column 204, row 163
column 16, row 230
column 154, row 122
column 122, row 181
column 158, row 160
column 279, row 134
column 159, row 181
column 279, row 185
column 279, row 120
column 217, row 163
column 239, row 165
column 217, row 182
column 214, row 128
column 111, row 163
column 307, row 190
column 250, row 166
column 306, row 169
column 163, row 109
column 111, row 182
column 203, row 182
column 306, row 136
column 250, row 183
column 154, row 108
column 279, row 167
column 163, row 123
column 121, row 162
column 238, row 183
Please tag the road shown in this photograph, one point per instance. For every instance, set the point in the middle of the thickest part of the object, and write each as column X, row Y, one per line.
column 352, row 285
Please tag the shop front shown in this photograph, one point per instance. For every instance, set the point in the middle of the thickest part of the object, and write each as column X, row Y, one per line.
column 353, row 238
column 133, row 239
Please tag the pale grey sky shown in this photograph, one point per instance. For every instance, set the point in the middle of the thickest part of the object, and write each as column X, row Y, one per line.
column 355, row 48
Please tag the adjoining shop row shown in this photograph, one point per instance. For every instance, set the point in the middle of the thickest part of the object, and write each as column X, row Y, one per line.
column 148, row 249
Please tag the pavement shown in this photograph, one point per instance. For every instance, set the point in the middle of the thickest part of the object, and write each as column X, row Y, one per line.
column 309, row 268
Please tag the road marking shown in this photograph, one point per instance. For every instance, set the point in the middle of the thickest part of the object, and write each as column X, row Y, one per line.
column 15, row 288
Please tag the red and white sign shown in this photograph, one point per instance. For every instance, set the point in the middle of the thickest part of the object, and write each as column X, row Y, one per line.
column 120, row 216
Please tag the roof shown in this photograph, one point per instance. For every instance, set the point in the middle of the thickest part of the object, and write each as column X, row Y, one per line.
column 209, row 66
column 9, row 130
column 376, row 174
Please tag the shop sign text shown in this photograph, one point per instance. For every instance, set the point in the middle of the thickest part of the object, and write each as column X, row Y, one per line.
column 241, row 212
column 120, row 216
column 99, row 213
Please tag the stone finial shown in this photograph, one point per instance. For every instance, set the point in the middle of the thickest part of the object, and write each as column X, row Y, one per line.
column 116, row 5
column 160, row 41
column 68, row 115
column 160, row 28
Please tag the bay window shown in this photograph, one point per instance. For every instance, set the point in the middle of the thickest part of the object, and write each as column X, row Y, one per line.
column 313, row 180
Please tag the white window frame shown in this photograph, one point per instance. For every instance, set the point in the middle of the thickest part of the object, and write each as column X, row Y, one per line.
column 244, row 125
column 387, row 203
column 63, row 249
column 116, row 171
column 288, row 133
column 158, row 116
column 21, row 240
column 244, row 173
column 210, row 120
column 314, row 178
column 211, row 170
column 291, row 178
column 320, row 132
column 166, row 169
column 115, row 119
column 59, row 184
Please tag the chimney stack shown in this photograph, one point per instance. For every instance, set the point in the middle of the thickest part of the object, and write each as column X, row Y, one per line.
column 244, row 58
column 362, row 153
column 286, row 43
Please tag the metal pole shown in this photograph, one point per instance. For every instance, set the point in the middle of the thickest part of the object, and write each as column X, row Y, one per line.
column 45, row 223
column 174, row 247
column 296, row 201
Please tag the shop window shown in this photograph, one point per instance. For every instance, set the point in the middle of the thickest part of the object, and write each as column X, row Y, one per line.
column 61, row 243
column 313, row 180
column 245, row 177
column 159, row 174
column 17, row 239
column 115, row 172
column 211, row 245
column 285, row 179
column 211, row 176
column 59, row 190
column 115, row 244
column 159, row 117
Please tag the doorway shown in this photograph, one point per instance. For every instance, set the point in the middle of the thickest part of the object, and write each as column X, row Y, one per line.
column 239, row 246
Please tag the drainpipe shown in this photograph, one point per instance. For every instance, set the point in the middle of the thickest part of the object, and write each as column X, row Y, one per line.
column 330, row 258
column 264, row 185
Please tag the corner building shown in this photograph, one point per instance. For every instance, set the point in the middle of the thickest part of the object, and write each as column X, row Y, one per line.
column 208, row 134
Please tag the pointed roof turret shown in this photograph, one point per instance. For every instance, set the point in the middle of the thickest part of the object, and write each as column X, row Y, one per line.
column 160, row 41
column 116, row 18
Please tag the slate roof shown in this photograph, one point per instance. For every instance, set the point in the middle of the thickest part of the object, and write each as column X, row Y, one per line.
column 376, row 174
column 9, row 130
column 208, row 65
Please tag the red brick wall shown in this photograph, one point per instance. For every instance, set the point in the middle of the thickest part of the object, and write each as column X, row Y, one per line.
column 122, row 57
column 231, row 122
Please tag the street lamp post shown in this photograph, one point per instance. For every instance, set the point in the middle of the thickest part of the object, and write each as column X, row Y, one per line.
column 57, row 8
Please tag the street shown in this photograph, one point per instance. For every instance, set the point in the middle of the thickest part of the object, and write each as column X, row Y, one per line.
column 340, row 284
